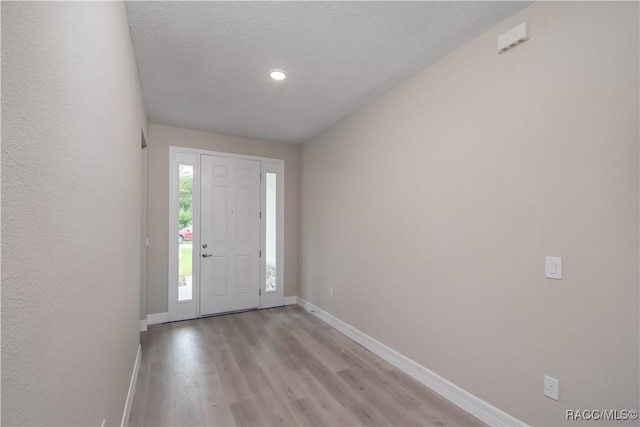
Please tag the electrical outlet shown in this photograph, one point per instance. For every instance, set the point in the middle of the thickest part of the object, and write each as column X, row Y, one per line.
column 330, row 292
column 551, row 387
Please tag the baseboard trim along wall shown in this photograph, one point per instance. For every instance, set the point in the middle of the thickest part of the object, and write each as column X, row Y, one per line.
column 132, row 389
column 284, row 301
column 154, row 318
column 290, row 300
column 465, row 400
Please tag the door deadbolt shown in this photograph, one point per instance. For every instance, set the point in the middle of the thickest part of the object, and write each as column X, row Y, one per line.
column 204, row 246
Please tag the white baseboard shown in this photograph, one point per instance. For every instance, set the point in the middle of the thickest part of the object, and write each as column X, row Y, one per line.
column 290, row 300
column 132, row 389
column 143, row 325
column 154, row 318
column 465, row 400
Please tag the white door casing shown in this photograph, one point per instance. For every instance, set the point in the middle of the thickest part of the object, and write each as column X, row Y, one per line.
column 230, row 230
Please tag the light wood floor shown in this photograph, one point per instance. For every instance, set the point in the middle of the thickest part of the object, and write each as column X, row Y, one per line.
column 277, row 367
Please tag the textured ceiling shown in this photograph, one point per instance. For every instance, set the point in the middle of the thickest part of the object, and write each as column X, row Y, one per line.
column 204, row 65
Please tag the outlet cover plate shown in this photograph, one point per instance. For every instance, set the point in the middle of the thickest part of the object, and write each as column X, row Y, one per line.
column 551, row 387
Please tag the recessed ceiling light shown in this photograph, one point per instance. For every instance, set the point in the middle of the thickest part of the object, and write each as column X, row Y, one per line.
column 277, row 74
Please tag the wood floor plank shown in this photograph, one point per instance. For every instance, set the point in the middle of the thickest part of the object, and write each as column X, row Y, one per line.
column 276, row 367
column 158, row 409
column 394, row 390
column 264, row 394
column 221, row 416
column 435, row 408
column 359, row 350
column 331, row 359
column 333, row 384
column 279, row 347
column 235, row 386
column 323, row 406
column 274, row 410
column 345, row 354
column 306, row 413
column 224, row 358
column 317, row 393
column 373, row 396
column 214, row 400
column 280, row 377
column 367, row 415
column 246, row 413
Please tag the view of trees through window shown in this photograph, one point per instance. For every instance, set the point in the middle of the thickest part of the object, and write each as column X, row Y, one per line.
column 185, row 233
column 185, row 196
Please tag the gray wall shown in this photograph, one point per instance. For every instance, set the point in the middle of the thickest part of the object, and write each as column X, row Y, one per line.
column 160, row 138
column 431, row 210
column 143, row 233
column 71, row 119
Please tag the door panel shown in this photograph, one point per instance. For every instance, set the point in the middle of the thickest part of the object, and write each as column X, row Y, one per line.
column 220, row 209
column 230, row 229
column 243, row 274
column 243, row 222
column 219, row 282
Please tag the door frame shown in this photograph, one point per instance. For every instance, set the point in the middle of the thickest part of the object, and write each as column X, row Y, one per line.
column 182, row 310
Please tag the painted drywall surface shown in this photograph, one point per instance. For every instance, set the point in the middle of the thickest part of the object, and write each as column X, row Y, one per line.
column 143, row 233
column 71, row 118
column 430, row 213
column 160, row 138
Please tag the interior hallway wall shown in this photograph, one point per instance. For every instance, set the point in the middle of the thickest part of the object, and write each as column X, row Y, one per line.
column 430, row 211
column 143, row 233
column 72, row 113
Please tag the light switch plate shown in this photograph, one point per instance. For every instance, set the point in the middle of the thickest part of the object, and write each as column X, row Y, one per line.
column 553, row 267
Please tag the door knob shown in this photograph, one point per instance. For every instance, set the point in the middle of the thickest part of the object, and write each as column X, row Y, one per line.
column 206, row 255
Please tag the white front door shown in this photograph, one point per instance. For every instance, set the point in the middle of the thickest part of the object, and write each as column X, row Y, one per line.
column 229, row 235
